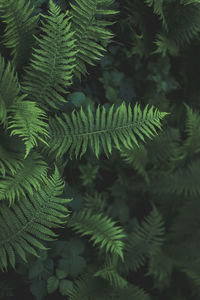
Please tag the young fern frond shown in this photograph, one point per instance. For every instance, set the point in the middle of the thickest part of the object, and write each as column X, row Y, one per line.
column 74, row 134
column 53, row 64
column 26, row 222
column 102, row 229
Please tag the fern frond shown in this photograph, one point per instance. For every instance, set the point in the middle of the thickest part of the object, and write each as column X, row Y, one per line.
column 183, row 21
column 121, row 126
column 191, row 144
column 95, row 202
column 32, row 173
column 89, row 31
column 184, row 181
column 145, row 240
column 138, row 159
column 53, row 64
column 9, row 161
column 27, row 123
column 96, row 288
column 102, row 229
column 110, row 273
column 9, row 89
column 160, row 267
column 165, row 44
column 152, row 231
column 26, row 222
column 158, row 9
column 20, row 27
column 130, row 293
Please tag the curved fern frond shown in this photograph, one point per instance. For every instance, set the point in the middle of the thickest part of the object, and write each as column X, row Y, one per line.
column 89, row 31
column 102, row 229
column 121, row 126
column 26, row 222
column 53, row 64
column 20, row 27
column 29, row 176
column 27, row 122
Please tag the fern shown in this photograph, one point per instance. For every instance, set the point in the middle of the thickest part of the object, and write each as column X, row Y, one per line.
column 160, row 267
column 191, row 144
column 9, row 161
column 95, row 202
column 89, row 31
column 144, row 241
column 53, row 64
column 101, row 228
column 182, row 182
column 20, row 28
column 158, row 9
column 28, row 221
column 9, row 88
column 110, row 273
column 96, row 288
column 26, row 178
column 137, row 158
column 18, row 113
column 179, row 17
column 28, row 121
column 122, row 125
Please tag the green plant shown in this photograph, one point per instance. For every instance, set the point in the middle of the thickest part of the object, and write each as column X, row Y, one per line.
column 36, row 133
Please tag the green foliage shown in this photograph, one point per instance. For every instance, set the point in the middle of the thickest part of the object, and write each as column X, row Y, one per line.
column 102, row 229
column 121, row 125
column 179, row 25
column 36, row 82
column 20, row 29
column 30, row 221
column 84, row 16
column 43, row 58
